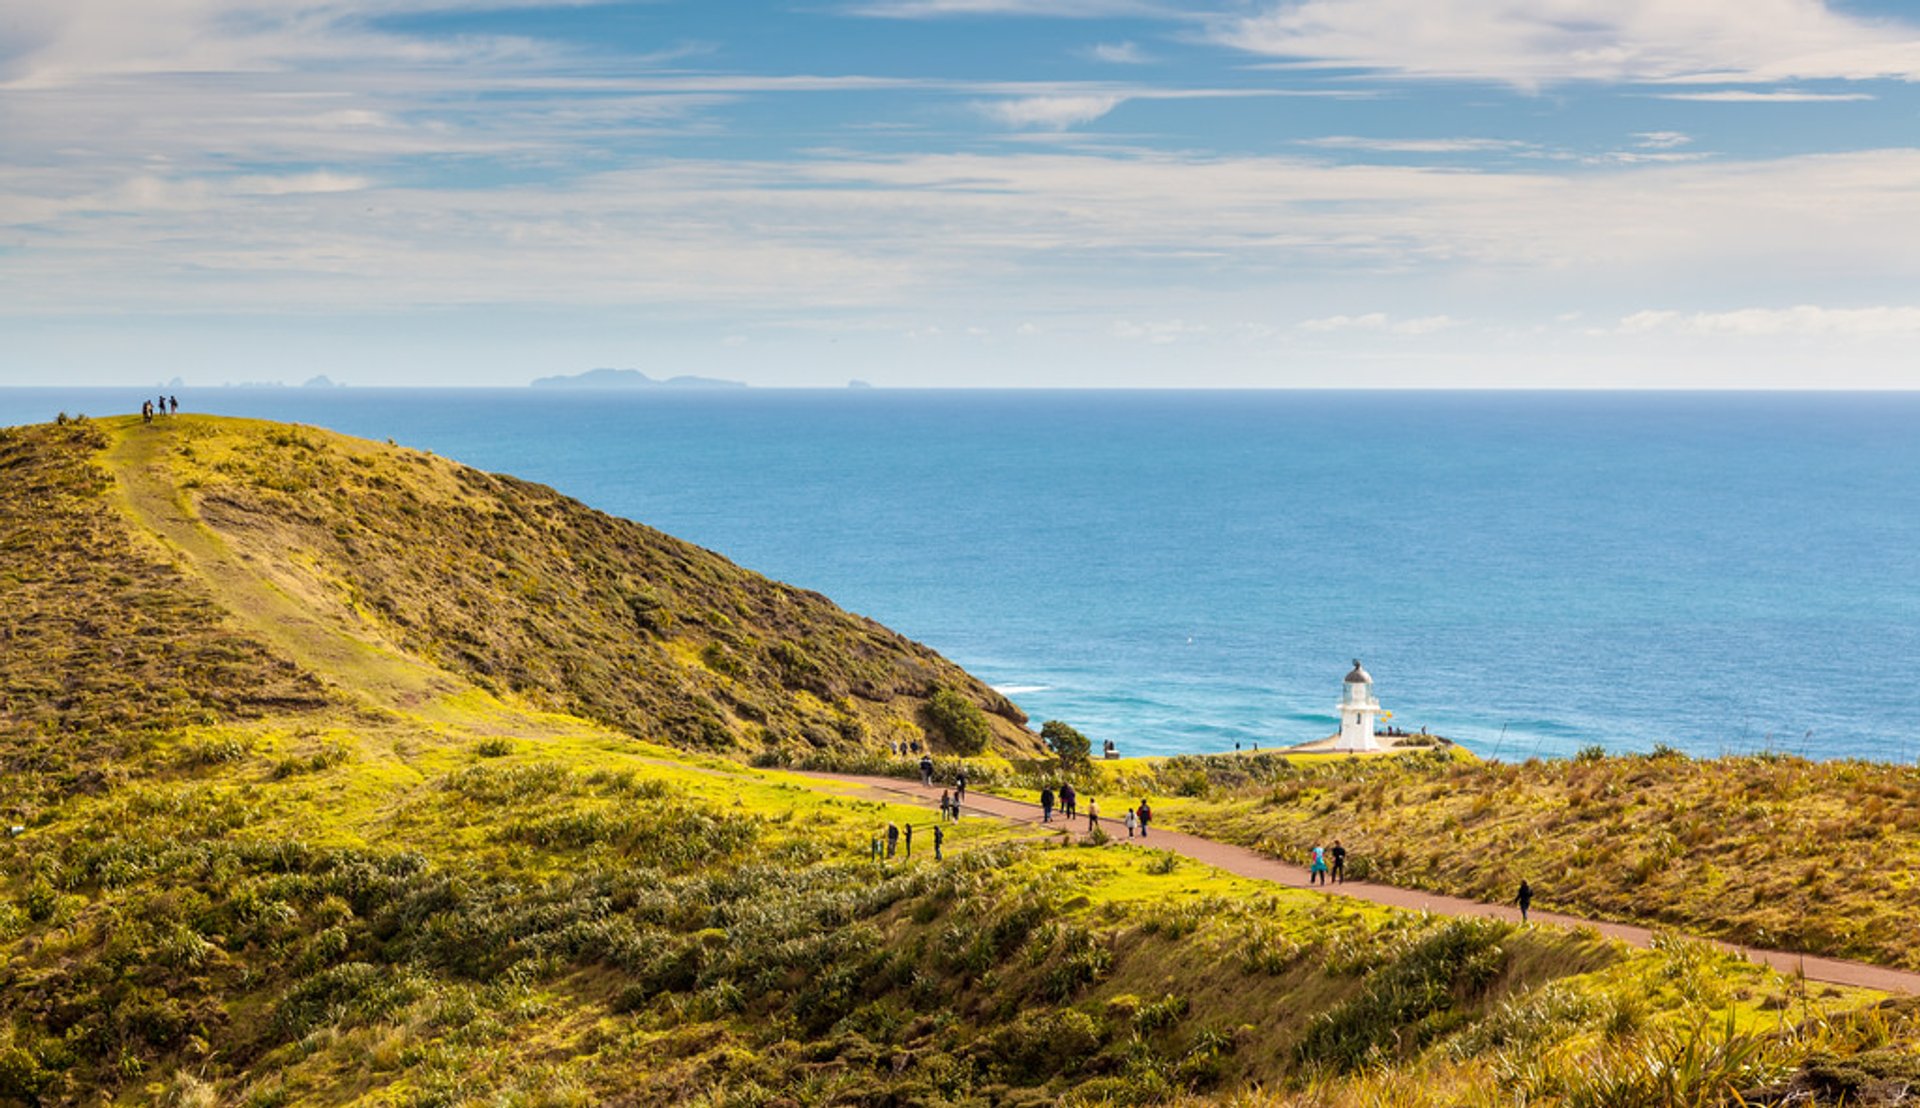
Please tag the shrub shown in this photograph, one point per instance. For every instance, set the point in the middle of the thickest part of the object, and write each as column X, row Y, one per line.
column 958, row 722
column 1066, row 742
column 1412, row 997
column 1038, row 1044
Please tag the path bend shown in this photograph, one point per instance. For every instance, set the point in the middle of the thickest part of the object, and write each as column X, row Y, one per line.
column 1243, row 862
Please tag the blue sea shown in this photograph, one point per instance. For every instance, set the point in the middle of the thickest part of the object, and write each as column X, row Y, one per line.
column 1528, row 573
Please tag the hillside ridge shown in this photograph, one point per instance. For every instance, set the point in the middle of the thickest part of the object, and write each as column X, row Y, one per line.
column 405, row 576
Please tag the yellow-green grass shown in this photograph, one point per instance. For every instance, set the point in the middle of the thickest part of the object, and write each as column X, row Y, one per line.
column 368, row 562
column 1762, row 850
column 450, row 890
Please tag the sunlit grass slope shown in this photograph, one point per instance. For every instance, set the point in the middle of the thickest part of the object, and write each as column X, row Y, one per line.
column 1764, row 850
column 527, row 593
column 388, row 836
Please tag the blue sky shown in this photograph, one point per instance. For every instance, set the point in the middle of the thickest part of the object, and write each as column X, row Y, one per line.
column 1268, row 193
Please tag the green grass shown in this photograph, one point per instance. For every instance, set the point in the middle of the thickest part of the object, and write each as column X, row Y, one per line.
column 434, row 883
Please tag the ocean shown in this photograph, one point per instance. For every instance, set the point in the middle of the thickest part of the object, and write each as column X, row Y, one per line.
column 1526, row 573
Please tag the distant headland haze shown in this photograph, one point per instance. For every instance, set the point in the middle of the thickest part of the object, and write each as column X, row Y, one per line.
column 631, row 379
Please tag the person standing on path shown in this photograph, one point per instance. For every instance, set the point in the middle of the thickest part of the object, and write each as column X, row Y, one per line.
column 1093, row 815
column 909, row 840
column 946, row 801
column 1317, row 872
column 1525, row 899
column 1129, row 822
column 1146, row 817
column 959, row 788
column 1339, row 863
column 926, row 770
column 939, row 836
column 1046, row 804
column 146, row 411
column 893, row 838
column 1067, row 799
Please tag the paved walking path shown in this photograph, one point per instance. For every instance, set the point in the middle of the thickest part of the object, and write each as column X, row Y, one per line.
column 1247, row 863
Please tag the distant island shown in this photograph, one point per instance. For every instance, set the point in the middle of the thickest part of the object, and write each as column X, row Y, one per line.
column 631, row 379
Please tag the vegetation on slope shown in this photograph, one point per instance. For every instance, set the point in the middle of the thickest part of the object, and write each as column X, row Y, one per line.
column 407, row 916
column 423, row 892
column 526, row 592
column 1764, row 850
column 104, row 644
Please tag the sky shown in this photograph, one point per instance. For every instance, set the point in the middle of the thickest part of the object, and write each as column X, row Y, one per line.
column 990, row 193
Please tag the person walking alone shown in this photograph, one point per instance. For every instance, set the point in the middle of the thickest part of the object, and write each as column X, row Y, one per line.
column 893, row 838
column 909, row 840
column 1129, row 821
column 1146, row 817
column 926, row 770
column 1093, row 815
column 1067, row 799
column 959, row 788
column 1046, row 804
column 1525, row 899
column 939, row 836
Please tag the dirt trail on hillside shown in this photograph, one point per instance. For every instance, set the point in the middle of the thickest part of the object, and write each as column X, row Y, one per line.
column 147, row 493
column 1247, row 863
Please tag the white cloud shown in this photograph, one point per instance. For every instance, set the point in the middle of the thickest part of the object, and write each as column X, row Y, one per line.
column 1378, row 321
column 1157, row 332
column 1662, row 140
column 1118, row 53
column 1532, row 43
column 1054, row 9
column 1415, row 146
column 1802, row 320
column 1054, row 113
column 1780, row 96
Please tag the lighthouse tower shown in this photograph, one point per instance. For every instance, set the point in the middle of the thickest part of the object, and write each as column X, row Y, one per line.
column 1357, row 710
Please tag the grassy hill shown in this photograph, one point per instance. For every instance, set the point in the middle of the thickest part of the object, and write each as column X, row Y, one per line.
column 528, row 594
column 1762, row 850
column 346, row 774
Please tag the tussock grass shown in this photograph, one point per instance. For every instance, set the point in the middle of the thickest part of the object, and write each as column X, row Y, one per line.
column 270, row 899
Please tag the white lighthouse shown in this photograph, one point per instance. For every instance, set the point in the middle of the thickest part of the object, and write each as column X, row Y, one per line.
column 1357, row 711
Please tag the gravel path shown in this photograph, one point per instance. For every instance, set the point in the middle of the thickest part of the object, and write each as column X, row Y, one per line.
column 1247, row 863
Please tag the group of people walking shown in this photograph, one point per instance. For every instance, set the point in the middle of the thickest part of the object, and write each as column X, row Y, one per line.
column 1328, row 861
column 164, row 405
column 887, row 842
column 1067, row 799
